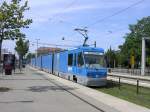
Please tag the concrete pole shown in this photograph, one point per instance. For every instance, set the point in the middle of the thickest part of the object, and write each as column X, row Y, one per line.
column 114, row 63
column 143, row 57
column 37, row 43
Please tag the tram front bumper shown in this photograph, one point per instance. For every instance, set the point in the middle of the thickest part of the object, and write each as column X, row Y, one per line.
column 95, row 82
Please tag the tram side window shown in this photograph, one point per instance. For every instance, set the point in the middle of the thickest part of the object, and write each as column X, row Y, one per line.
column 80, row 60
column 75, row 60
column 70, row 59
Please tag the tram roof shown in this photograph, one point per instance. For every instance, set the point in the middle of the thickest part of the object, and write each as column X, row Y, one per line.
column 89, row 49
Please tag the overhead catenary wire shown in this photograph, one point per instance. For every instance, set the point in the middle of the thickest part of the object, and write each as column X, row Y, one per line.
column 63, row 38
column 70, row 24
column 96, row 22
column 62, row 21
column 65, row 8
column 104, row 18
column 71, row 4
column 56, row 45
column 116, row 13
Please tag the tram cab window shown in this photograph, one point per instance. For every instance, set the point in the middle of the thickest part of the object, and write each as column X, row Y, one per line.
column 80, row 60
column 94, row 60
column 70, row 59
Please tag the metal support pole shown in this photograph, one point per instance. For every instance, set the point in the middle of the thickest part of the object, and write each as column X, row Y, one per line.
column 36, row 56
column 37, row 48
column 94, row 43
column 114, row 63
column 137, row 90
column 37, row 44
column 143, row 57
column 119, row 82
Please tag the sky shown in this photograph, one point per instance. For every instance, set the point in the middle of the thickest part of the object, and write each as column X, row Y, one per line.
column 54, row 19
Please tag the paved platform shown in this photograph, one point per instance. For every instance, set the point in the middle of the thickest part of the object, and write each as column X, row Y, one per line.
column 37, row 91
column 102, row 100
column 33, row 91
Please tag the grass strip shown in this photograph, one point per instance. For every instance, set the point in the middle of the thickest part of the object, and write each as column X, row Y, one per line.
column 128, row 92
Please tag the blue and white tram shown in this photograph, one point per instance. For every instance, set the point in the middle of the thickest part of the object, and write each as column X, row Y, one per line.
column 84, row 65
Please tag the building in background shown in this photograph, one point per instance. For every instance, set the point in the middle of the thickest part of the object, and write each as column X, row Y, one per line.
column 47, row 50
column 4, row 51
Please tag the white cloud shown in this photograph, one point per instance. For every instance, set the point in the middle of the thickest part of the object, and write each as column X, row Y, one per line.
column 41, row 11
column 42, row 14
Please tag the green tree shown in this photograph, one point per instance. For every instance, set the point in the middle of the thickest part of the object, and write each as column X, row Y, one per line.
column 110, row 58
column 22, row 48
column 30, row 56
column 12, row 20
column 133, row 41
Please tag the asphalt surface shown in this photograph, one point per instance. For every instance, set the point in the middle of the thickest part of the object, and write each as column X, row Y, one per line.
column 30, row 91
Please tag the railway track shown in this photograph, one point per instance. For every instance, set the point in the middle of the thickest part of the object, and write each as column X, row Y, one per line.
column 143, row 82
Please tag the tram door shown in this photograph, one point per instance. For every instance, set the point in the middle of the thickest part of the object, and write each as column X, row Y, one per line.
column 70, row 63
column 80, row 64
column 74, row 67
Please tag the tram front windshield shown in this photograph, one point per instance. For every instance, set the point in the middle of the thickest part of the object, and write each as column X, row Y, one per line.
column 94, row 60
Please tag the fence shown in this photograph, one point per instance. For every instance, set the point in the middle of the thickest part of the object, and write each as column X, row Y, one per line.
column 137, row 80
column 130, row 71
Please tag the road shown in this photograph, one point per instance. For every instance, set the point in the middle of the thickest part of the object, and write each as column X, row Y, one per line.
column 30, row 91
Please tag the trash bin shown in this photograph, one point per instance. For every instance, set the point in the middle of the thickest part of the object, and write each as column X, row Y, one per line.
column 8, row 69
